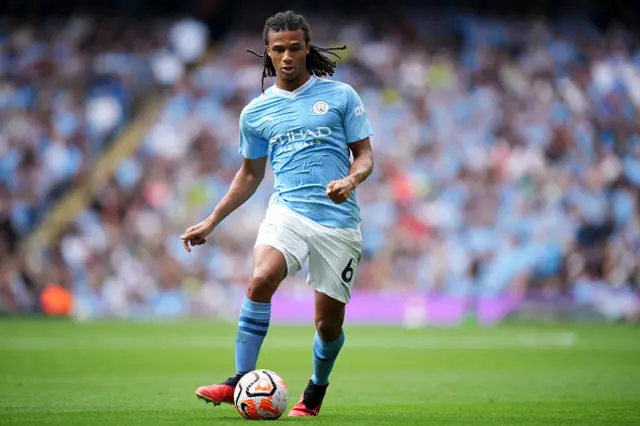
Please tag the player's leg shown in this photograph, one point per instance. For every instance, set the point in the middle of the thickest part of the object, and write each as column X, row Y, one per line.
column 329, row 337
column 255, row 314
column 334, row 256
column 279, row 251
column 327, row 342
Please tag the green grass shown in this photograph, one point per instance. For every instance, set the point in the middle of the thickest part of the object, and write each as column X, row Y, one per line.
column 64, row 373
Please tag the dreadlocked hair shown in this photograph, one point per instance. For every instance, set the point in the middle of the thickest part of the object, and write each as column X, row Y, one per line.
column 318, row 61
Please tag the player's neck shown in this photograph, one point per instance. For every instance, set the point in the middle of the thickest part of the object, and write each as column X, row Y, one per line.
column 291, row 85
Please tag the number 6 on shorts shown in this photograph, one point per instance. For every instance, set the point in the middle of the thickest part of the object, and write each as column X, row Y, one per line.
column 333, row 262
column 348, row 272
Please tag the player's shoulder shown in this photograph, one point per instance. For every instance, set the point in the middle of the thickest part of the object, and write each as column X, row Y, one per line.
column 257, row 108
column 325, row 84
column 338, row 92
column 255, row 105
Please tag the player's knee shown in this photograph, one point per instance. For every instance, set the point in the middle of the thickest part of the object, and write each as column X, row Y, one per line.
column 329, row 330
column 262, row 286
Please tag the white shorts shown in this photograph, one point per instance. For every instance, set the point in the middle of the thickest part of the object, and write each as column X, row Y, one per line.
column 333, row 253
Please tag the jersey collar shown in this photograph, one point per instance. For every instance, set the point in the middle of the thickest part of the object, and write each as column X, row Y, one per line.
column 293, row 94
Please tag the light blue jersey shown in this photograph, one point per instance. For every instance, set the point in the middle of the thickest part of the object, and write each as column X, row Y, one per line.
column 305, row 134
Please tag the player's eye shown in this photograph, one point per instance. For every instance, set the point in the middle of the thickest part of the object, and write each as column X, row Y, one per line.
column 278, row 49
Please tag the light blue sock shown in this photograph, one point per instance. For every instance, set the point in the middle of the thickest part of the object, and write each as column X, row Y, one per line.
column 252, row 328
column 324, row 357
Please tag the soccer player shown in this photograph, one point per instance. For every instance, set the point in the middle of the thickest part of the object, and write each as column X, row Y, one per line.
column 307, row 126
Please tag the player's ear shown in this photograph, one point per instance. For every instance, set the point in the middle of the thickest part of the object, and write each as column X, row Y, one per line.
column 307, row 48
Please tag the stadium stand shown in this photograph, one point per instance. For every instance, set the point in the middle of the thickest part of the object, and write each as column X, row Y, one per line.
column 508, row 161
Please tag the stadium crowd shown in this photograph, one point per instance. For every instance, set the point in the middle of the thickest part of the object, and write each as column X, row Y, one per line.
column 507, row 161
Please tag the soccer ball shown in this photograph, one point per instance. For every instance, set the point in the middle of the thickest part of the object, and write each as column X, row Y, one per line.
column 260, row 395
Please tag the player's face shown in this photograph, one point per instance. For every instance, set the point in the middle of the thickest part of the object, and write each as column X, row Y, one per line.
column 288, row 52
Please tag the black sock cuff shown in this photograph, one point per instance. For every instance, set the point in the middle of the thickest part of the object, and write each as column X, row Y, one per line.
column 313, row 395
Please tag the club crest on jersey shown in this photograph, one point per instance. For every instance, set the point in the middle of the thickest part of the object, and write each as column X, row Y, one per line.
column 320, row 108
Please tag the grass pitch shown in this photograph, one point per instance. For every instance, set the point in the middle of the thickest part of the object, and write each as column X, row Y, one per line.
column 65, row 373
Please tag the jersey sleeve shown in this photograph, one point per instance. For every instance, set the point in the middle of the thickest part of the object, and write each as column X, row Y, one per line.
column 356, row 123
column 252, row 145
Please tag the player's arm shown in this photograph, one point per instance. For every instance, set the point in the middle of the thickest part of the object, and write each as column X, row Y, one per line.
column 357, row 131
column 244, row 185
column 362, row 166
column 340, row 190
column 254, row 152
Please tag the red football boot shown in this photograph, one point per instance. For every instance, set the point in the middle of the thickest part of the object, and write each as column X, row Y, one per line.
column 217, row 394
column 310, row 402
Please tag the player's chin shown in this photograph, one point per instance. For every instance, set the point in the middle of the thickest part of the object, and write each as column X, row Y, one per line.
column 289, row 76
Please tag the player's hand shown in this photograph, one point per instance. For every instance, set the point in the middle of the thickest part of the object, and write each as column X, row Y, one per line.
column 196, row 235
column 340, row 190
